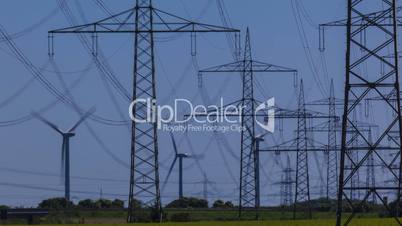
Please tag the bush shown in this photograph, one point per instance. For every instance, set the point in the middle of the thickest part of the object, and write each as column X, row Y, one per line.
column 180, row 217
column 188, row 203
column 147, row 215
column 219, row 204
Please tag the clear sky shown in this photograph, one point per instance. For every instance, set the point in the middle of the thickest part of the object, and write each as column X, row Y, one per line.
column 33, row 147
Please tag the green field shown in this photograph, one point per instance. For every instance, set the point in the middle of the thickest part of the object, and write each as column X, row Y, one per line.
column 357, row 222
column 207, row 217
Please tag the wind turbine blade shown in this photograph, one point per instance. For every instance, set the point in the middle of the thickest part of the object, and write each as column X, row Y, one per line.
column 170, row 172
column 261, row 136
column 82, row 119
column 198, row 157
column 51, row 125
column 174, row 143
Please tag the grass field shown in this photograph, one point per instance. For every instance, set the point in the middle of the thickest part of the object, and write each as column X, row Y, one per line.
column 199, row 217
column 356, row 222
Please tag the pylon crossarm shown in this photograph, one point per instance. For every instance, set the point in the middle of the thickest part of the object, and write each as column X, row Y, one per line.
column 294, row 114
column 256, row 66
column 163, row 22
column 315, row 143
column 389, row 97
column 324, row 127
column 366, row 20
column 290, row 146
column 326, row 102
column 361, row 21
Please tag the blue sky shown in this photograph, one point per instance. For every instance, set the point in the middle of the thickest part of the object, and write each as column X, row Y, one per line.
column 31, row 146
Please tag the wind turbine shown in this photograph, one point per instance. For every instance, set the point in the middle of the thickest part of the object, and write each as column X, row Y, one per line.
column 180, row 157
column 65, row 147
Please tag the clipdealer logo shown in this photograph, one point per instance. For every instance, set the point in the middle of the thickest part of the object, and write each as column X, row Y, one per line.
column 269, row 107
column 200, row 118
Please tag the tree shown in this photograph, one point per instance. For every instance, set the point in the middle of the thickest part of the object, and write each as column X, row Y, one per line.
column 56, row 203
column 87, row 204
column 218, row 204
column 229, row 204
column 103, row 203
column 117, row 203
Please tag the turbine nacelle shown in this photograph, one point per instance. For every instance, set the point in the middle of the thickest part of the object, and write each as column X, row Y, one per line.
column 69, row 134
column 184, row 155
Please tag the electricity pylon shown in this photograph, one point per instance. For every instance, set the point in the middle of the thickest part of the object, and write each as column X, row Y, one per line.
column 248, row 195
column 301, row 146
column 372, row 29
column 302, row 193
column 205, row 182
column 370, row 171
column 286, row 184
column 354, row 157
column 144, row 21
column 331, row 153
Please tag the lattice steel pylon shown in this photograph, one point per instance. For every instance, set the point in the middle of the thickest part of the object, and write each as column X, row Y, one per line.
column 302, row 193
column 249, row 194
column 144, row 21
column 248, row 186
column 286, row 184
column 331, row 127
column 371, row 28
column 370, row 169
column 332, row 154
column 353, row 143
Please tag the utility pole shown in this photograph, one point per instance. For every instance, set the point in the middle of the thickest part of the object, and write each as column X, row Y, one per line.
column 248, row 196
column 144, row 21
column 372, row 28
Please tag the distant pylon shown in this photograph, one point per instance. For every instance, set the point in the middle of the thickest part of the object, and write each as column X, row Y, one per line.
column 370, row 174
column 248, row 195
column 287, row 184
column 354, row 157
column 302, row 193
column 332, row 154
column 248, row 67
